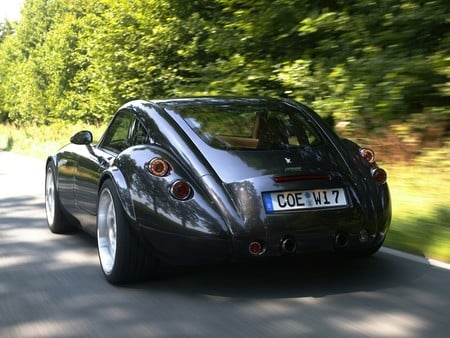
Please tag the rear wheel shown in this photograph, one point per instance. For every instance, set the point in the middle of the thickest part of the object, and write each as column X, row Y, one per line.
column 123, row 256
column 57, row 221
column 369, row 252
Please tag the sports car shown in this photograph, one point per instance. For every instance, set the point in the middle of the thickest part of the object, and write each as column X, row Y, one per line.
column 209, row 180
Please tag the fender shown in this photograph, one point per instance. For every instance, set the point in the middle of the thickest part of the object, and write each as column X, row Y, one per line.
column 117, row 177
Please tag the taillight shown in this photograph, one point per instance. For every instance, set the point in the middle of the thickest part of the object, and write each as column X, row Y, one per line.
column 367, row 154
column 379, row 175
column 181, row 190
column 158, row 167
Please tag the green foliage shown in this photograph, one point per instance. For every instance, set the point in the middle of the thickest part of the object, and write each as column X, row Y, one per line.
column 362, row 62
column 6, row 29
column 42, row 141
column 420, row 204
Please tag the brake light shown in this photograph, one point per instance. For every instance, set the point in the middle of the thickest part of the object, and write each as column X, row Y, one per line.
column 379, row 175
column 181, row 190
column 367, row 154
column 158, row 167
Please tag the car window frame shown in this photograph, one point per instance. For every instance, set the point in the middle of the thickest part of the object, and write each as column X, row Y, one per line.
column 138, row 125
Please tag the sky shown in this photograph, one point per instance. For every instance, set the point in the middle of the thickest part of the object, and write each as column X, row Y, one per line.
column 10, row 9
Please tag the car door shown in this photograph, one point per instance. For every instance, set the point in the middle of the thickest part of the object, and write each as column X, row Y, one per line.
column 124, row 131
column 92, row 162
column 90, row 166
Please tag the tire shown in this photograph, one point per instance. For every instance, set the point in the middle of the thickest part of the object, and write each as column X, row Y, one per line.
column 369, row 252
column 57, row 221
column 123, row 256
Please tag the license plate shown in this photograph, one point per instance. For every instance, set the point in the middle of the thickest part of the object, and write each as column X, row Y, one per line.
column 304, row 199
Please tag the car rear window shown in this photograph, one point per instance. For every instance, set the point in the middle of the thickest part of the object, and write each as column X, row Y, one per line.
column 250, row 127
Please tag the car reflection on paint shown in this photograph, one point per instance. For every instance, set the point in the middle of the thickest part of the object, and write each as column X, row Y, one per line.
column 206, row 180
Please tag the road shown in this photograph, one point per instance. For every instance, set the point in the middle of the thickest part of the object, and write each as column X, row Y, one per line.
column 51, row 286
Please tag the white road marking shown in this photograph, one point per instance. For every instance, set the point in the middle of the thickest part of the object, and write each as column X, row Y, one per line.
column 418, row 259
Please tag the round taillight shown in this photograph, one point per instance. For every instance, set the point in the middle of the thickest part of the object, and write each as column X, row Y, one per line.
column 367, row 154
column 158, row 167
column 181, row 190
column 379, row 175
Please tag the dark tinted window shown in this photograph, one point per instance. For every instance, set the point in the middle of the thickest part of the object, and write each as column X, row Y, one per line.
column 250, row 127
column 117, row 135
column 139, row 134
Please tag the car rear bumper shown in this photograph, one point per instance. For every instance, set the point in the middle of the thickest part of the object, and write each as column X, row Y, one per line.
column 190, row 250
column 187, row 250
column 291, row 245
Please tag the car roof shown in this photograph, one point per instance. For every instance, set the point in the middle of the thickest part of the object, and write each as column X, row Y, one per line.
column 215, row 101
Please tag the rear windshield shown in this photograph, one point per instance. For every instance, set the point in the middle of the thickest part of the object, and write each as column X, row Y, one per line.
column 234, row 126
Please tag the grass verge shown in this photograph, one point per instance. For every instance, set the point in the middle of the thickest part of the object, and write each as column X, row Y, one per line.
column 420, row 198
column 421, row 205
column 41, row 141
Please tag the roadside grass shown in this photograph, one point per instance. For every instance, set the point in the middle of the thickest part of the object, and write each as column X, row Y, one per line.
column 419, row 190
column 41, row 141
column 421, row 205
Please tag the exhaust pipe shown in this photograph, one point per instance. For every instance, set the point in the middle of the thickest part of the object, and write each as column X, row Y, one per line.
column 288, row 245
column 341, row 240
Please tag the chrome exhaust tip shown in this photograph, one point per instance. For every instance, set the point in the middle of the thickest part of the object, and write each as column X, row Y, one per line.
column 341, row 240
column 288, row 245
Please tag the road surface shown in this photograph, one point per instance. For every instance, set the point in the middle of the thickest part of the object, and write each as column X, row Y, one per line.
column 51, row 286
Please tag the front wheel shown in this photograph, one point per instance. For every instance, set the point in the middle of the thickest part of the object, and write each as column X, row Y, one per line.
column 123, row 256
column 57, row 221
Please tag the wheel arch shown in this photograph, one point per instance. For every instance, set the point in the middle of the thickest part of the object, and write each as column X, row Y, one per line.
column 116, row 176
column 54, row 161
column 51, row 159
column 62, row 221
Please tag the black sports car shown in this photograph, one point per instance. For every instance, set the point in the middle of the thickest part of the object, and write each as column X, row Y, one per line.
column 206, row 180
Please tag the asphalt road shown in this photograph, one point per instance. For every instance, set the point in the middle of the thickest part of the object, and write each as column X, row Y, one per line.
column 51, row 286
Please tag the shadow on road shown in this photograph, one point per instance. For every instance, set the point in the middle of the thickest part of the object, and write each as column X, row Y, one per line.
column 313, row 276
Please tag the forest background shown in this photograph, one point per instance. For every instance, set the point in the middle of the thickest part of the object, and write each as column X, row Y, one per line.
column 377, row 70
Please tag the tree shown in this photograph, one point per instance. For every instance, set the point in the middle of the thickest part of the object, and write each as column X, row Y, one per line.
column 363, row 62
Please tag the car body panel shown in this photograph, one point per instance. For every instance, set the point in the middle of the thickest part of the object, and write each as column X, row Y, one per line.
column 226, row 211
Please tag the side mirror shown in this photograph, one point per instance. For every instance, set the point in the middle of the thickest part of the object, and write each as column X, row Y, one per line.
column 82, row 137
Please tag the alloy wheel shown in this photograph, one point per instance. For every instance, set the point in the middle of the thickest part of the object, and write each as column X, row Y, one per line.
column 50, row 197
column 107, row 231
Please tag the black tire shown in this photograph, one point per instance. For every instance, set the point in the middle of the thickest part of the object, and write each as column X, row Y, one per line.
column 123, row 256
column 369, row 252
column 57, row 221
